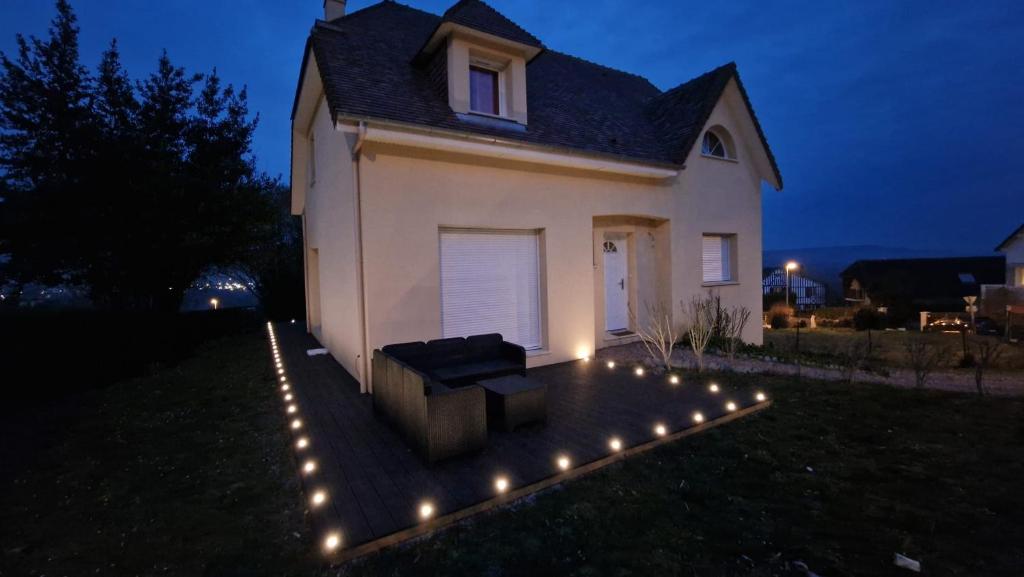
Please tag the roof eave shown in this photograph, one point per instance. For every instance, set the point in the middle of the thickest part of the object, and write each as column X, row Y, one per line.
column 509, row 142
column 446, row 29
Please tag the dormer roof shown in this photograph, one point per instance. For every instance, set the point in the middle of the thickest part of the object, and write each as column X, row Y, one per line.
column 480, row 16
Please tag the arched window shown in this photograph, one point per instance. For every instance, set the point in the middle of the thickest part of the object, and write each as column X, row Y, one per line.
column 717, row 143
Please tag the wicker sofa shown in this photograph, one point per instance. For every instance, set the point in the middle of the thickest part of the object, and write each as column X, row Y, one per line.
column 427, row 391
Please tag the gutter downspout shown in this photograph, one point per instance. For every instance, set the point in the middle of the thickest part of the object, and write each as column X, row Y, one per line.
column 365, row 384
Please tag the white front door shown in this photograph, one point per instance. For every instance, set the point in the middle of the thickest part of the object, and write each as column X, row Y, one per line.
column 616, row 285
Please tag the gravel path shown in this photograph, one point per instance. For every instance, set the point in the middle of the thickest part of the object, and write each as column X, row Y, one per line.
column 1005, row 383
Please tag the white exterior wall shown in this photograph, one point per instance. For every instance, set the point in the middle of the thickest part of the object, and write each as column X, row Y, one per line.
column 330, row 228
column 407, row 195
column 1014, row 252
column 722, row 196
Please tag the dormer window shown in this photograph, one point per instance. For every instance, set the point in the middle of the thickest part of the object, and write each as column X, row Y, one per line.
column 483, row 90
column 717, row 143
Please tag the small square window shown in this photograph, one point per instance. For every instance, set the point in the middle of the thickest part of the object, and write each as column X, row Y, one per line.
column 483, row 90
column 718, row 258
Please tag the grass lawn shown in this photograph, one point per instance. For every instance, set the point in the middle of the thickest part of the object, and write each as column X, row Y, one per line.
column 185, row 472
column 839, row 478
column 887, row 346
column 188, row 472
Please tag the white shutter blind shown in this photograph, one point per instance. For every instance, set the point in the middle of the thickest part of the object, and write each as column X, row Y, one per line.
column 717, row 265
column 490, row 283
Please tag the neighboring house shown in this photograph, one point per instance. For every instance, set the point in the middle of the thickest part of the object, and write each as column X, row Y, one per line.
column 1007, row 295
column 805, row 292
column 921, row 284
column 1013, row 249
column 457, row 177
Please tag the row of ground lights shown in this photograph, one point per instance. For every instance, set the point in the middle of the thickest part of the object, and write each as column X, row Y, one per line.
column 426, row 509
column 332, row 541
column 502, row 484
column 730, row 406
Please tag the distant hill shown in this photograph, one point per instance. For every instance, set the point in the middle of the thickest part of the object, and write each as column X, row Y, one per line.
column 825, row 263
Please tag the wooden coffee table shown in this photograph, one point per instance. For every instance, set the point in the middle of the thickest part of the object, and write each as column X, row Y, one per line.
column 514, row 400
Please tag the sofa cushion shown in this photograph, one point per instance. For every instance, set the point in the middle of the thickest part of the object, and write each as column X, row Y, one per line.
column 474, row 371
column 484, row 347
column 409, row 353
column 446, row 352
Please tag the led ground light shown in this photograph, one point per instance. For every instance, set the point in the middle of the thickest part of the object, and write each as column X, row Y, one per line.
column 332, row 540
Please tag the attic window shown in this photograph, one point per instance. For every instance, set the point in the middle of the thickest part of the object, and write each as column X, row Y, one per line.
column 483, row 90
column 718, row 144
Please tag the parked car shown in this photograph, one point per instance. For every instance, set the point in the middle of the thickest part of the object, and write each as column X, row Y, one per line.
column 946, row 326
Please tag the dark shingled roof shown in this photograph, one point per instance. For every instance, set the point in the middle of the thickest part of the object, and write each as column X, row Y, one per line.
column 370, row 69
column 479, row 16
column 926, row 278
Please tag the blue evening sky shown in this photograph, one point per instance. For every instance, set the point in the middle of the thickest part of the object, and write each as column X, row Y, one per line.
column 895, row 122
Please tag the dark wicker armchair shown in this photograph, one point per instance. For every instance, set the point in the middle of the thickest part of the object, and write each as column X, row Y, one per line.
column 437, row 421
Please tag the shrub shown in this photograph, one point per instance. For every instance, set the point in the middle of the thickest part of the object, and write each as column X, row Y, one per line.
column 923, row 358
column 779, row 315
column 867, row 318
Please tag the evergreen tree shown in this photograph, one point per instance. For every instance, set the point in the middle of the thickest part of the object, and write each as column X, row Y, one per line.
column 131, row 189
column 44, row 146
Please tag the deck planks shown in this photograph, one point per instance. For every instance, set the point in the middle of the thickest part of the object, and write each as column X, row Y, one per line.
column 376, row 483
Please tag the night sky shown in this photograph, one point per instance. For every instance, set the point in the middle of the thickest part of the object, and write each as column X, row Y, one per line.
column 894, row 123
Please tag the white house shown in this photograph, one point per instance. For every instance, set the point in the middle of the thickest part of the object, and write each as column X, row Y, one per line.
column 806, row 292
column 1013, row 248
column 457, row 177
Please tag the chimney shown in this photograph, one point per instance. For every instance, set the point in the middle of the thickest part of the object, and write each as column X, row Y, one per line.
column 333, row 9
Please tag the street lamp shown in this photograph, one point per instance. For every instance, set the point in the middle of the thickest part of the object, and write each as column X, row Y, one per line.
column 214, row 303
column 790, row 267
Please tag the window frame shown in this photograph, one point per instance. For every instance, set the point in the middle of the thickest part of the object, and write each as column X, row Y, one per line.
column 497, row 72
column 724, row 140
column 730, row 244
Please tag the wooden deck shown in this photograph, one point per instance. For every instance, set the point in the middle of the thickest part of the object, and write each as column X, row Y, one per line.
column 375, row 485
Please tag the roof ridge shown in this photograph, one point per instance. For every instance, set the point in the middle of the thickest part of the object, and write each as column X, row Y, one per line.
column 930, row 258
column 731, row 65
column 374, row 7
column 604, row 66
